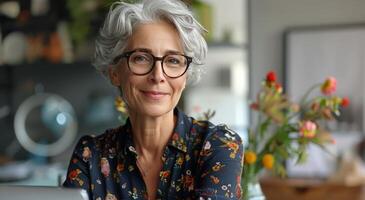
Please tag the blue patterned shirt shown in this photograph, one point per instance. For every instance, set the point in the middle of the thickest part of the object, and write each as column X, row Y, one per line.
column 200, row 161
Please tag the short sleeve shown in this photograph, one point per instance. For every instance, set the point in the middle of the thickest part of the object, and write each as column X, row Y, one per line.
column 78, row 173
column 220, row 165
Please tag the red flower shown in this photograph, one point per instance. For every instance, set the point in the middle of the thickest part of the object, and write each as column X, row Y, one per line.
column 271, row 76
column 164, row 174
column 73, row 174
column 254, row 106
column 345, row 102
column 329, row 86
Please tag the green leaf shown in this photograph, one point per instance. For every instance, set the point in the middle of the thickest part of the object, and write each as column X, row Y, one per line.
column 264, row 126
column 280, row 169
column 283, row 152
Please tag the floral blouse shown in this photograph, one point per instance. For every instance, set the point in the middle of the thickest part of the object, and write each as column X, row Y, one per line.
column 201, row 161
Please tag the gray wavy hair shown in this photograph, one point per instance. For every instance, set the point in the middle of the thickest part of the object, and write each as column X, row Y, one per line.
column 123, row 17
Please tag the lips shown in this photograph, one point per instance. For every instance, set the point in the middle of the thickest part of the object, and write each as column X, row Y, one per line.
column 155, row 95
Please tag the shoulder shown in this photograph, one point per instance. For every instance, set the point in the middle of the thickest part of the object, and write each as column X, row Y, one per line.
column 105, row 143
column 222, row 137
column 211, row 139
column 220, row 149
column 208, row 131
column 224, row 132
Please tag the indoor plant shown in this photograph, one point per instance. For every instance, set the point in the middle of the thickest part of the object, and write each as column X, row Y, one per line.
column 285, row 128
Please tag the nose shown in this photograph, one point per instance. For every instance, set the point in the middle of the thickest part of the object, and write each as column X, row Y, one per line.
column 157, row 74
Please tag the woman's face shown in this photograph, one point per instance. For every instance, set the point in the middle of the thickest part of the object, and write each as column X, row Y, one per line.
column 153, row 94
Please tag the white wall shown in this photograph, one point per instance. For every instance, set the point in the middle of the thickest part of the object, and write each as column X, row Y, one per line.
column 268, row 19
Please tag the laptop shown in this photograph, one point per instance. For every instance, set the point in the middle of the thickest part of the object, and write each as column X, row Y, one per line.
column 41, row 193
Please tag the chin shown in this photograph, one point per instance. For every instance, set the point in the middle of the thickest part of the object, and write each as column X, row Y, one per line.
column 156, row 110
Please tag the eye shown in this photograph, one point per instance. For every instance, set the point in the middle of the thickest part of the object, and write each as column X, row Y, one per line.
column 174, row 60
column 140, row 58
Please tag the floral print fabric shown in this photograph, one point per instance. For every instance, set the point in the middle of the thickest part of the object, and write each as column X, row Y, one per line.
column 201, row 161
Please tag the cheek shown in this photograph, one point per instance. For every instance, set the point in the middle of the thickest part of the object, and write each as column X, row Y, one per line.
column 129, row 86
column 180, row 86
column 125, row 78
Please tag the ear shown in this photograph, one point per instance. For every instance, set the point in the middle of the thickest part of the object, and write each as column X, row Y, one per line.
column 114, row 76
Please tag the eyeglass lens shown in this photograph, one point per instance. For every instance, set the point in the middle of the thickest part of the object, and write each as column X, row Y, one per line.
column 173, row 65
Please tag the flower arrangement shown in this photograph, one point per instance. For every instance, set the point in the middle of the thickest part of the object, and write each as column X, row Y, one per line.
column 284, row 129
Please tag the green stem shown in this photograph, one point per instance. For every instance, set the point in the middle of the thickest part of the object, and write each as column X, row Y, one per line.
column 305, row 96
column 273, row 137
column 256, row 132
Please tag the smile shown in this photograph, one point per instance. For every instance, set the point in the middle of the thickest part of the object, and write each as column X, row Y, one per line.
column 155, row 95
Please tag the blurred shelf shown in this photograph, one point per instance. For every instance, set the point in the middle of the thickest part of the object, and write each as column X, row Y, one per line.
column 223, row 55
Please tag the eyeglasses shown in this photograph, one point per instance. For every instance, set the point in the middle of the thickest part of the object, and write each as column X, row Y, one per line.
column 141, row 63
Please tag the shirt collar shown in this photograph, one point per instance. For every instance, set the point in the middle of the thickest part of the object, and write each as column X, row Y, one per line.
column 181, row 130
column 127, row 139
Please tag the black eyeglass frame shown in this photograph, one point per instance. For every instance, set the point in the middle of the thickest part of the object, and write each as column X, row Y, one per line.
column 127, row 55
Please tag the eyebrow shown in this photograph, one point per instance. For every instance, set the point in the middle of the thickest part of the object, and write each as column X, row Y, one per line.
column 150, row 51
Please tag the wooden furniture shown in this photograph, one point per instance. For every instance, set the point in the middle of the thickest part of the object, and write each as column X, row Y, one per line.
column 309, row 189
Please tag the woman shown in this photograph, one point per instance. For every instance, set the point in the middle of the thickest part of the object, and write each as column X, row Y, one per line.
column 149, row 51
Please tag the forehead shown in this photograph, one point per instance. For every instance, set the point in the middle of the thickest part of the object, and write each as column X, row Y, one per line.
column 156, row 36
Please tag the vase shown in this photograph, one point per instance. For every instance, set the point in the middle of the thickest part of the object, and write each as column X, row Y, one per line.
column 252, row 188
column 251, row 185
column 254, row 191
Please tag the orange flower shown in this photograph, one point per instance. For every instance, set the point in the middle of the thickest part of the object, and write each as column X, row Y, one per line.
column 329, row 86
column 217, row 166
column 268, row 161
column 307, row 129
column 345, row 102
column 120, row 167
column 250, row 157
column 214, row 179
column 232, row 145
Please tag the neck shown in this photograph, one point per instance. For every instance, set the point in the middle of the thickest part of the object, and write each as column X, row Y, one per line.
column 151, row 134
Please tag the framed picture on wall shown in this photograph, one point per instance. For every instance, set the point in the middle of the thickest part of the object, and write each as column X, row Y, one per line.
column 311, row 55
